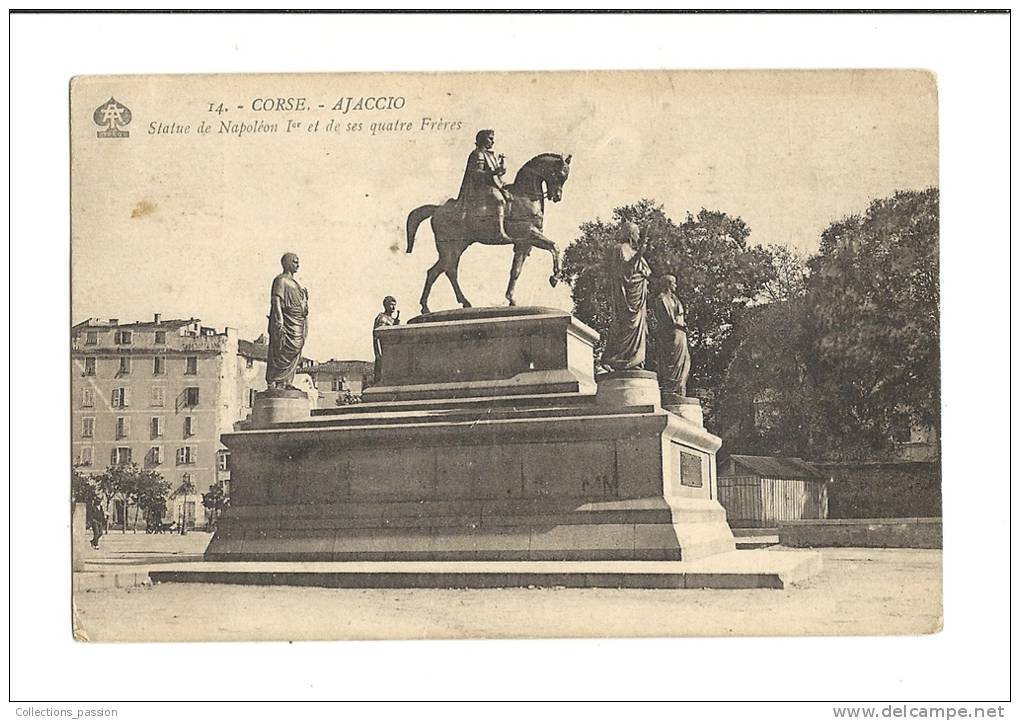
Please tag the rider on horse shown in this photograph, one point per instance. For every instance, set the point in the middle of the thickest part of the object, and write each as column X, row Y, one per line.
column 482, row 194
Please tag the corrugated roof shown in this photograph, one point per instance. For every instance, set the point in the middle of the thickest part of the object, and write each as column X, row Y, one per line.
column 770, row 467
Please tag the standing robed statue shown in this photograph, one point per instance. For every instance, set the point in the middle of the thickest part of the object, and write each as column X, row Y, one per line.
column 288, row 325
column 673, row 353
column 629, row 273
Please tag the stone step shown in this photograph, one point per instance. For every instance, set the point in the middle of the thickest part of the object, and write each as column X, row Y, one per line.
column 735, row 570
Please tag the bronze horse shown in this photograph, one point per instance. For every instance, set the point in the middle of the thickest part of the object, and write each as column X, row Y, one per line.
column 541, row 177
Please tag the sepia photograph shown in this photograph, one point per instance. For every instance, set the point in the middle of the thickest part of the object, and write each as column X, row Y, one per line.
column 520, row 355
column 505, row 342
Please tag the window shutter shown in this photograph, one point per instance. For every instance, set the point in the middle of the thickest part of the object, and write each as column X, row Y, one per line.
column 115, row 398
column 113, row 456
column 126, row 395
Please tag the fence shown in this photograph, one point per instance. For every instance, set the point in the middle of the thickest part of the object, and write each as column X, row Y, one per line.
column 757, row 502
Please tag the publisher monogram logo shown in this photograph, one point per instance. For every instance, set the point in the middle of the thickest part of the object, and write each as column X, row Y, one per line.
column 112, row 116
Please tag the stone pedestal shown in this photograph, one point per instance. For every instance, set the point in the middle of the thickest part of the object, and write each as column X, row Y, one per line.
column 484, row 352
column 279, row 406
column 487, row 441
column 684, row 406
column 628, row 388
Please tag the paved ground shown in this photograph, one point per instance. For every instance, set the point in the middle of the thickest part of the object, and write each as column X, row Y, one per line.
column 860, row 591
column 118, row 548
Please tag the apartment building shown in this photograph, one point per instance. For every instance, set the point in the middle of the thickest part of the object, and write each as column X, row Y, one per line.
column 159, row 394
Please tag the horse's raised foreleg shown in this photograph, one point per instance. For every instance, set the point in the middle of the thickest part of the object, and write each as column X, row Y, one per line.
column 540, row 241
column 520, row 255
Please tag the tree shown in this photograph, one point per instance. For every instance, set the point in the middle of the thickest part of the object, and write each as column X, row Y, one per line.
column 83, row 490
column 874, row 296
column 215, row 501
column 149, row 494
column 717, row 275
column 789, row 274
column 767, row 402
column 144, row 489
column 833, row 373
column 115, row 483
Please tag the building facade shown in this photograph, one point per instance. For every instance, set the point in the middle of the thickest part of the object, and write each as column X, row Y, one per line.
column 337, row 382
column 159, row 394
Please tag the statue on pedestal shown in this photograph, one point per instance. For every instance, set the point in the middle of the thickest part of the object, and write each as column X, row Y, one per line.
column 674, row 357
column 629, row 272
column 389, row 317
column 288, row 325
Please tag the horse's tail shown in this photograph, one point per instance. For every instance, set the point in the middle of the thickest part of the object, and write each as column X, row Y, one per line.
column 416, row 218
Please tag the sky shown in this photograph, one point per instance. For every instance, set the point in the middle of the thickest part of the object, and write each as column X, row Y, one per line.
column 193, row 224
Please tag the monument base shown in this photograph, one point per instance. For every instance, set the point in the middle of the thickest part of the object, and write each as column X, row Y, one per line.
column 493, row 461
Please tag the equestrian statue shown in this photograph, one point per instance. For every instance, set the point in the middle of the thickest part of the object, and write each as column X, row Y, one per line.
column 487, row 211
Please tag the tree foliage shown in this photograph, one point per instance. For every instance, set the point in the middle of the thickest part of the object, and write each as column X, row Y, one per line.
column 717, row 273
column 83, row 490
column 215, row 501
column 875, row 300
column 833, row 371
column 145, row 489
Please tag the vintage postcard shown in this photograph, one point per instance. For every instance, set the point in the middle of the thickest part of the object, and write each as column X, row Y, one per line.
column 530, row 354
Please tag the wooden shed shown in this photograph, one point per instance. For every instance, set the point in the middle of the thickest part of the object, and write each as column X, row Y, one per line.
column 760, row 491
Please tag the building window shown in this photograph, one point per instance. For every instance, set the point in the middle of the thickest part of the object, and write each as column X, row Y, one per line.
column 191, row 397
column 91, row 338
column 88, row 398
column 88, row 427
column 156, row 427
column 185, row 455
column 90, row 365
column 120, row 456
column 251, row 397
column 120, row 398
column 160, row 337
column 338, row 384
column 191, row 365
column 156, row 456
column 122, row 337
column 158, row 365
column 125, row 366
column 158, row 397
column 190, row 427
column 123, row 427
column 222, row 461
column 87, row 456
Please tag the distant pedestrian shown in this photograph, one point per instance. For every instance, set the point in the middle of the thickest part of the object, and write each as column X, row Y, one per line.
column 95, row 518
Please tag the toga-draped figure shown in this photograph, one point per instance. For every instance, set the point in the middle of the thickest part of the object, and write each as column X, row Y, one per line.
column 288, row 325
column 672, row 351
column 629, row 272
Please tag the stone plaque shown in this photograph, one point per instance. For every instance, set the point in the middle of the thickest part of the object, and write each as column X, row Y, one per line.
column 690, row 469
